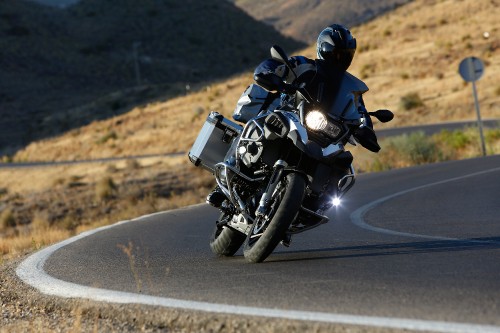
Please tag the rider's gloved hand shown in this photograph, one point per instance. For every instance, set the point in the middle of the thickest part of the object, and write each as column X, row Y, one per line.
column 287, row 88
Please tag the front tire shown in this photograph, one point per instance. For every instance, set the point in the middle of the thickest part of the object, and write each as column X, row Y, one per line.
column 265, row 236
column 225, row 241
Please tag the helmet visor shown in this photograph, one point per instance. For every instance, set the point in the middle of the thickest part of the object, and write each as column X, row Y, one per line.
column 342, row 58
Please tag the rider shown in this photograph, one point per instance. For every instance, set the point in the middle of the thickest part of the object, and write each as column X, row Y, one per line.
column 321, row 77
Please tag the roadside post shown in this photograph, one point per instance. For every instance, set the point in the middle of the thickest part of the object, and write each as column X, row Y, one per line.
column 471, row 69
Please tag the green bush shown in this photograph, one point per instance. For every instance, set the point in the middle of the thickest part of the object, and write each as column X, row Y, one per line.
column 418, row 148
column 380, row 164
column 455, row 139
column 406, row 150
column 492, row 135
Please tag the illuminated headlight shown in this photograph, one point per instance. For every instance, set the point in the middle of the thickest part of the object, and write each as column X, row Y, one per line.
column 317, row 121
column 336, row 201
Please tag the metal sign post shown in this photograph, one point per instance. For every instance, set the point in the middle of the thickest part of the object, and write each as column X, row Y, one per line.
column 471, row 69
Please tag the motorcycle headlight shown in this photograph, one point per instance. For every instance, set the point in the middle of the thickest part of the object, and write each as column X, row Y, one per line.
column 317, row 121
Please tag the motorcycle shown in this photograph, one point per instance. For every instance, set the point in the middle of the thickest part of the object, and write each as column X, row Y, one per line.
column 281, row 171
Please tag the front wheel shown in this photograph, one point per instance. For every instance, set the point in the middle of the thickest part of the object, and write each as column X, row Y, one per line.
column 266, row 233
column 225, row 241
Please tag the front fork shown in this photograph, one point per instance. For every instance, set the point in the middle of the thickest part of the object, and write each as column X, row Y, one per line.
column 265, row 200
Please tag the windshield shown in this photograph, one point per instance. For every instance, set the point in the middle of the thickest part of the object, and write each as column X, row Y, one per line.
column 345, row 107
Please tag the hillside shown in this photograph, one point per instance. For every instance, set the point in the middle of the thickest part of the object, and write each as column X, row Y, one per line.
column 304, row 19
column 411, row 54
column 55, row 60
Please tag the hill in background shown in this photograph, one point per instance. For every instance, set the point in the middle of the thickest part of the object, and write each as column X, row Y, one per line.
column 304, row 19
column 409, row 58
column 55, row 60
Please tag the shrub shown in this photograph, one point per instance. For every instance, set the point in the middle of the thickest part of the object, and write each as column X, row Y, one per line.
column 492, row 135
column 421, row 149
column 6, row 159
column 366, row 70
column 456, row 139
column 105, row 189
column 198, row 113
column 111, row 135
column 7, row 219
column 380, row 164
column 406, row 150
column 411, row 101
column 132, row 164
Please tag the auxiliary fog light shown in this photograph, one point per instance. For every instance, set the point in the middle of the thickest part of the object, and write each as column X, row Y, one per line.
column 336, row 201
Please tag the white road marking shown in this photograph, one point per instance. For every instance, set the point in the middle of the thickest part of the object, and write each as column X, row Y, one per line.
column 358, row 214
column 31, row 272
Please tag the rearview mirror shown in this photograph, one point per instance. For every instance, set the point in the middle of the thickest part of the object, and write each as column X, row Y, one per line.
column 277, row 53
column 382, row 115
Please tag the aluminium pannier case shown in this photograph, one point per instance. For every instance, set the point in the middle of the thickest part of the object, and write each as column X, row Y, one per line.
column 213, row 142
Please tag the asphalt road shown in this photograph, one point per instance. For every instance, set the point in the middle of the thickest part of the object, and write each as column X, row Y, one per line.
column 418, row 243
column 431, row 129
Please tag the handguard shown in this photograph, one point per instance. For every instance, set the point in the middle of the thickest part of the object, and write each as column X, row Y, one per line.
column 272, row 82
column 367, row 138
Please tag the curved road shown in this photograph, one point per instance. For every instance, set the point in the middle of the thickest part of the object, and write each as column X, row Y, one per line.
column 411, row 248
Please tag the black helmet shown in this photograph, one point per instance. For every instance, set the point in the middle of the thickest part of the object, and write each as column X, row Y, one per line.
column 336, row 45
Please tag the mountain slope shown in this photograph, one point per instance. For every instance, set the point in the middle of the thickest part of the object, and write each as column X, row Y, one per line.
column 55, row 59
column 304, row 19
column 413, row 51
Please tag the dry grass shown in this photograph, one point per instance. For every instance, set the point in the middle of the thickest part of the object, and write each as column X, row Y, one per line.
column 74, row 198
column 158, row 128
column 421, row 54
column 418, row 148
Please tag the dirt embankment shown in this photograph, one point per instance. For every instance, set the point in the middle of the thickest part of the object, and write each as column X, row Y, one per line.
column 26, row 310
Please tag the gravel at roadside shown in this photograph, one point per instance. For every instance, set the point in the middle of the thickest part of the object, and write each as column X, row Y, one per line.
column 23, row 309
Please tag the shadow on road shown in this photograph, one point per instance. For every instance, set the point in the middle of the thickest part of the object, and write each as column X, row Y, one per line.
column 375, row 250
